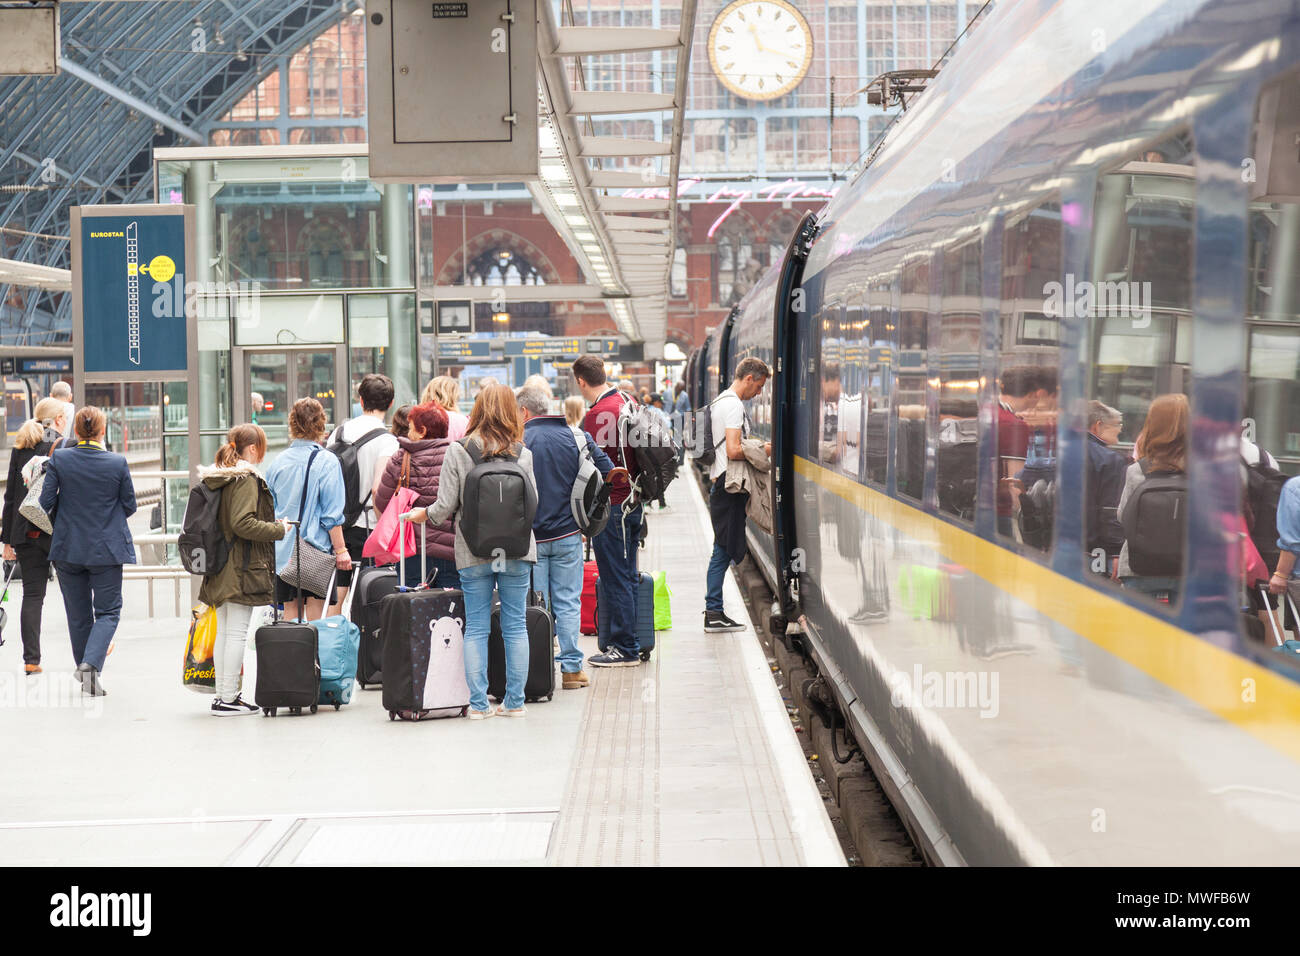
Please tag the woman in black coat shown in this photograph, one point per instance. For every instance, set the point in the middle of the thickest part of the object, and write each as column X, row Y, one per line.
column 24, row 542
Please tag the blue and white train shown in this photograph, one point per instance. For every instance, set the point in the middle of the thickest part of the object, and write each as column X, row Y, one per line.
column 1017, row 703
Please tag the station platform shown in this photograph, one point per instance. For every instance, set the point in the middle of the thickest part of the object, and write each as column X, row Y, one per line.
column 689, row 759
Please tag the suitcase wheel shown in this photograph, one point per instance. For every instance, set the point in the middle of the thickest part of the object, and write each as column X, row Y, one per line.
column 550, row 696
column 295, row 711
column 392, row 715
column 313, row 709
column 645, row 655
column 362, row 683
column 336, row 707
column 268, row 711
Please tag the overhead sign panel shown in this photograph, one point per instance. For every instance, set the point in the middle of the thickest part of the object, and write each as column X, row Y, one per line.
column 129, row 266
column 464, row 348
column 543, row 347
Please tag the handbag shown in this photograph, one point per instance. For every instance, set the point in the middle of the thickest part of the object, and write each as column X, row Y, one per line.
column 200, row 671
column 34, row 476
column 309, row 568
column 392, row 538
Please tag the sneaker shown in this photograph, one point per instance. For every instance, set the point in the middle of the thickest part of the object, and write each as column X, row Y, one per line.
column 715, row 621
column 614, row 657
column 234, row 708
column 575, row 681
column 482, row 714
column 519, row 712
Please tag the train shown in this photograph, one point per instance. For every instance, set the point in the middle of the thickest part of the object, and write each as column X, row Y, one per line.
column 1090, row 203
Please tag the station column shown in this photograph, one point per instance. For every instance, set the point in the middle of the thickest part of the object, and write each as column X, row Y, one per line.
column 402, row 360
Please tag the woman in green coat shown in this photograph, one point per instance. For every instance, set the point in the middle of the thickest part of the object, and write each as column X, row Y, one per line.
column 247, row 581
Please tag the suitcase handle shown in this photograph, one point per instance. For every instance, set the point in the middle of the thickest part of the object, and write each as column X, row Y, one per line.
column 401, row 549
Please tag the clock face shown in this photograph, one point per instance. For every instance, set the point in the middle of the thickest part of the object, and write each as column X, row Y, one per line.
column 760, row 49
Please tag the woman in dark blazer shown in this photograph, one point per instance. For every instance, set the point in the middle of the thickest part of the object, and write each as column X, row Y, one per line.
column 88, row 490
column 24, row 542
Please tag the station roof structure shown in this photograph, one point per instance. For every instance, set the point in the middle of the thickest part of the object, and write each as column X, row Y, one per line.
column 135, row 75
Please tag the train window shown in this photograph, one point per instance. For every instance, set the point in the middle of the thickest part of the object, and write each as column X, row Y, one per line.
column 1137, row 304
column 879, row 339
column 852, row 374
column 1272, row 413
column 1025, row 422
column 913, row 371
column 831, row 326
column 956, row 444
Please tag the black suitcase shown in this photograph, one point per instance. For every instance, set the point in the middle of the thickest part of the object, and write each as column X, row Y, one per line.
column 540, row 684
column 288, row 665
column 645, row 615
column 372, row 586
column 424, row 653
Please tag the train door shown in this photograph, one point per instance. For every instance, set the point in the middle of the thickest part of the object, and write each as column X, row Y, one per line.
column 269, row 381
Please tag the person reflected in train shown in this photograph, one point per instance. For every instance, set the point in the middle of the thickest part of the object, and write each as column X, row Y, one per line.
column 832, row 439
column 1151, row 562
column 23, row 541
column 727, row 509
column 1014, row 389
column 1288, row 540
column 444, row 391
column 89, row 491
column 1104, row 484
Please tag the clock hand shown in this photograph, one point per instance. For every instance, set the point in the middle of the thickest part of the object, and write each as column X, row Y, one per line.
column 753, row 29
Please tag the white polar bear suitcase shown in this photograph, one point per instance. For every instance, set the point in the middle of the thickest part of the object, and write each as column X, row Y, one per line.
column 424, row 654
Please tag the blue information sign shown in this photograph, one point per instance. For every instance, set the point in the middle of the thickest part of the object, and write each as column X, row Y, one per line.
column 464, row 348
column 132, row 274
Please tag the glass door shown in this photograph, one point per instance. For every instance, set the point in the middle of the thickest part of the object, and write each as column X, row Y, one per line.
column 277, row 379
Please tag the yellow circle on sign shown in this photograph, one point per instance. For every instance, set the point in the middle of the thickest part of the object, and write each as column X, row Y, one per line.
column 161, row 268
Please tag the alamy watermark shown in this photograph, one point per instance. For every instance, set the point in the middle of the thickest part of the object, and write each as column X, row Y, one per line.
column 946, row 690
column 56, row 691
column 1087, row 299
column 177, row 298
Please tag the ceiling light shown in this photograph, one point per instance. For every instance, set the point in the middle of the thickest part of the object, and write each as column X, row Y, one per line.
column 565, row 200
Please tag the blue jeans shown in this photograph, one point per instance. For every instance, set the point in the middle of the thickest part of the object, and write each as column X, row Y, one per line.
column 717, row 576
column 558, row 575
column 512, row 586
column 92, row 596
column 447, row 577
column 616, row 554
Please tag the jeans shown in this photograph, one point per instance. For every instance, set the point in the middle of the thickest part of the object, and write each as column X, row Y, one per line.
column 92, row 597
column 718, row 564
column 616, row 555
column 558, row 575
column 447, row 577
column 512, row 586
column 34, row 560
column 233, row 622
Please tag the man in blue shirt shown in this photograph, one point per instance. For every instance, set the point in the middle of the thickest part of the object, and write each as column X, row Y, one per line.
column 558, row 572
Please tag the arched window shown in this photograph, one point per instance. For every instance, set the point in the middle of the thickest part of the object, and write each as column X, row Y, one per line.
column 501, row 266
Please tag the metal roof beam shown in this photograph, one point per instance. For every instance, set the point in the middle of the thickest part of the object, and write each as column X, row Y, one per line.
column 594, row 41
column 592, row 103
column 134, row 102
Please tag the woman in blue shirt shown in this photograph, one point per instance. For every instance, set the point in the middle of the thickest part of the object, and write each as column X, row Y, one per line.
column 306, row 467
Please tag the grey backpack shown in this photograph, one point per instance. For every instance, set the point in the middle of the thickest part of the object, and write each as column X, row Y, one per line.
column 497, row 504
column 589, row 499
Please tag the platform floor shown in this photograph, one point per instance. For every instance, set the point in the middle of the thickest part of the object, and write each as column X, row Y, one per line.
column 687, row 760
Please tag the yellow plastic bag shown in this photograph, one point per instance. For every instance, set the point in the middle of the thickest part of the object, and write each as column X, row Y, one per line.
column 200, row 672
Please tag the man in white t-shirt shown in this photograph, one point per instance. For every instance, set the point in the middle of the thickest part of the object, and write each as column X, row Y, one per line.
column 375, row 445
column 727, row 510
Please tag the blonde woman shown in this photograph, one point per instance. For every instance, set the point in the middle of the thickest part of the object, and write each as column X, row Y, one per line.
column 24, row 542
column 575, row 409
column 444, row 391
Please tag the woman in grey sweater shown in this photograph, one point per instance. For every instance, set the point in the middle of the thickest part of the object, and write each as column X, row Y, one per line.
column 497, row 429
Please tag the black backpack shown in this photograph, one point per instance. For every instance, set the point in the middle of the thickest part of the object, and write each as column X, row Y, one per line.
column 649, row 452
column 703, row 451
column 497, row 504
column 1263, row 491
column 204, row 549
column 1155, row 523
column 346, row 452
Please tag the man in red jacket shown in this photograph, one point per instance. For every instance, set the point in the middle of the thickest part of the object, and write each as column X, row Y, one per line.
column 616, row 546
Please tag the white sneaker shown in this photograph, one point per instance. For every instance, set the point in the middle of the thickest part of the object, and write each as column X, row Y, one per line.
column 482, row 714
column 521, row 712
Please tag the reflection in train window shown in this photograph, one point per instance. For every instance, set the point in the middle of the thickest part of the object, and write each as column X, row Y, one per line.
column 830, row 325
column 1273, row 277
column 1138, row 306
column 913, row 370
column 1028, row 389
column 878, row 337
column 957, row 443
column 852, row 375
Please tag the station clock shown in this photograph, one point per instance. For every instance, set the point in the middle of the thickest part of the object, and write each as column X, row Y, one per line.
column 760, row 49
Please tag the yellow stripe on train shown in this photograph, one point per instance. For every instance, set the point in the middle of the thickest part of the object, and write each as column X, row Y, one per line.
column 1263, row 703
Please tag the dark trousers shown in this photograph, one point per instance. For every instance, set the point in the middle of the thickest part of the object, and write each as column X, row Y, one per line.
column 92, row 596
column 616, row 556
column 34, row 560
column 447, row 576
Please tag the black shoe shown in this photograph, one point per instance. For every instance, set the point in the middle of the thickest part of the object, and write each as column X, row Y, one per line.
column 235, row 708
column 715, row 621
column 89, row 678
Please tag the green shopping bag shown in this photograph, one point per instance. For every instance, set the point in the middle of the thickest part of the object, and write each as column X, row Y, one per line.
column 663, row 602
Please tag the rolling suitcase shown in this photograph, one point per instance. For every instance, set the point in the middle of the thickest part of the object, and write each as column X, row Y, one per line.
column 371, row 585
column 590, row 572
column 288, row 665
column 540, row 683
column 424, row 651
column 338, row 643
column 645, row 615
